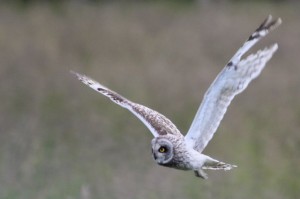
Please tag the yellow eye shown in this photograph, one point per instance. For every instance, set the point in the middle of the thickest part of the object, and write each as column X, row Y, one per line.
column 162, row 149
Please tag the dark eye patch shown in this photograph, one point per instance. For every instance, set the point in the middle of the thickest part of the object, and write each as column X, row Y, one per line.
column 163, row 149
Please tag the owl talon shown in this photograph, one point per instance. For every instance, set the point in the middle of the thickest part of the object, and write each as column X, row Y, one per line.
column 201, row 174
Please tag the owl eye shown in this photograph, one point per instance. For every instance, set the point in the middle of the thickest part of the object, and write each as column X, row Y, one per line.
column 162, row 149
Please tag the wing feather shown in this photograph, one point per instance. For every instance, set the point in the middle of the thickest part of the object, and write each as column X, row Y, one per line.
column 157, row 123
column 232, row 80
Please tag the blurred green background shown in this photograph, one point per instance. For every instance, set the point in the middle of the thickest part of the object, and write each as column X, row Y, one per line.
column 60, row 139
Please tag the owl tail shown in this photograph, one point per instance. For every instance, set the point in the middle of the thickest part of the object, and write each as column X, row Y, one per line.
column 212, row 164
column 217, row 165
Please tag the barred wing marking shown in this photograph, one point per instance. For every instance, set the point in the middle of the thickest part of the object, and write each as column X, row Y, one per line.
column 156, row 122
column 232, row 80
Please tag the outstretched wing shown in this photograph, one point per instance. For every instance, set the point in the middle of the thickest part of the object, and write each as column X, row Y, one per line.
column 156, row 122
column 232, row 80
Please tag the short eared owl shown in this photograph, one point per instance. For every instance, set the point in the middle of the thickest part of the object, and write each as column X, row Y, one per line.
column 169, row 147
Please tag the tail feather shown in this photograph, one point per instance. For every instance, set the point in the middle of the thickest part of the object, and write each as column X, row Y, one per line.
column 213, row 164
column 218, row 166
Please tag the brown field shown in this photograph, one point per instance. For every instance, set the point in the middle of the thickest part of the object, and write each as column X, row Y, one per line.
column 60, row 139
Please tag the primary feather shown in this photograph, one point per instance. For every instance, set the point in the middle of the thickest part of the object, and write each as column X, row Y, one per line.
column 232, row 80
column 157, row 123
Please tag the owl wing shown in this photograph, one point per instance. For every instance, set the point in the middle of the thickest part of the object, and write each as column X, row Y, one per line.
column 232, row 80
column 156, row 122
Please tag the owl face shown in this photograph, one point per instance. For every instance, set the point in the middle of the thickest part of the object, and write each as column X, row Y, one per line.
column 162, row 150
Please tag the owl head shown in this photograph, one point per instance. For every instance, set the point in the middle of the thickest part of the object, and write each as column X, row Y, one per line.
column 162, row 150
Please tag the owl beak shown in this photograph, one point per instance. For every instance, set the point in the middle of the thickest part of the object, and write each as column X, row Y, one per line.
column 153, row 154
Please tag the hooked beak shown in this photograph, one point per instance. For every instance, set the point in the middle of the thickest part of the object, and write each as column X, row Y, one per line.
column 153, row 154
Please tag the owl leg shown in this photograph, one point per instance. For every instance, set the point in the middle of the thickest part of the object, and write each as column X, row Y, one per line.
column 201, row 174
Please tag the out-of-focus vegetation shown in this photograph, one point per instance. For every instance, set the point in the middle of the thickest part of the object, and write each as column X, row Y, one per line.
column 60, row 139
column 24, row 3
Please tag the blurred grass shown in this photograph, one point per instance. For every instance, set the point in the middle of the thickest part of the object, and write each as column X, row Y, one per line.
column 60, row 139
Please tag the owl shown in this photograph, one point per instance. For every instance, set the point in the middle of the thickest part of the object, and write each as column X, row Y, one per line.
column 169, row 147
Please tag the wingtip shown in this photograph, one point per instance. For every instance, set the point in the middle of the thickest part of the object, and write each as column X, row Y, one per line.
column 274, row 47
column 276, row 23
column 279, row 21
column 73, row 73
column 268, row 19
column 269, row 23
column 79, row 76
